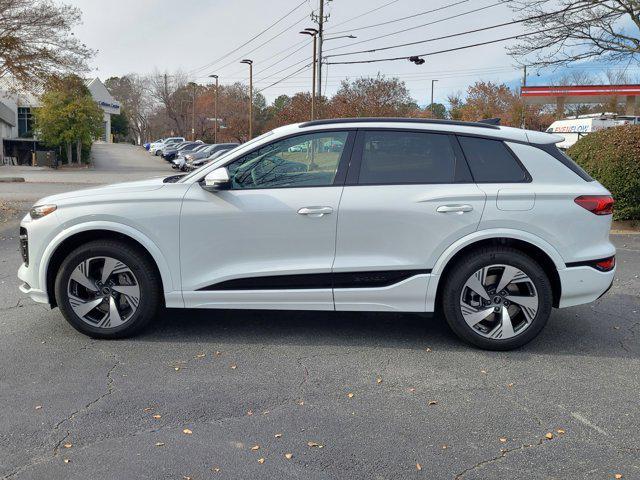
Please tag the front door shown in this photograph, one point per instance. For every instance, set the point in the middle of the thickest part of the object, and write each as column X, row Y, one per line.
column 268, row 241
column 408, row 196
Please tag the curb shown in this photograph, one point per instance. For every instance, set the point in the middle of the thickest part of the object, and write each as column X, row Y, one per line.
column 11, row 179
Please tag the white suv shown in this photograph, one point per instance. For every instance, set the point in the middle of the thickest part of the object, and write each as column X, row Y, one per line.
column 493, row 226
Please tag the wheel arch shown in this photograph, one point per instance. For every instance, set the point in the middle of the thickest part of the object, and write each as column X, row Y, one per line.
column 70, row 239
column 539, row 250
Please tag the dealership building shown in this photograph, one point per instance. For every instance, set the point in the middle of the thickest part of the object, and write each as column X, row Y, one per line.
column 16, row 120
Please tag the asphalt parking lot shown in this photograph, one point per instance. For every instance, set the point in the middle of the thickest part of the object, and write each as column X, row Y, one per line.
column 229, row 394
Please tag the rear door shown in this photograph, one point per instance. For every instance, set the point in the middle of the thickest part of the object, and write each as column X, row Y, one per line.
column 408, row 196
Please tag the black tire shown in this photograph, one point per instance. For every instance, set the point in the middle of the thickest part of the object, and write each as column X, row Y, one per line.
column 466, row 266
column 145, row 272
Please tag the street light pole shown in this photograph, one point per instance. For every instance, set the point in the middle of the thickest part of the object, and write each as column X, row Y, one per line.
column 193, row 114
column 250, row 63
column 215, row 111
column 313, row 33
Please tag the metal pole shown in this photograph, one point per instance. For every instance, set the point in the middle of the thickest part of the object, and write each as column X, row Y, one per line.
column 431, row 104
column 250, row 101
column 193, row 115
column 313, row 82
column 524, row 102
column 320, row 35
column 215, row 115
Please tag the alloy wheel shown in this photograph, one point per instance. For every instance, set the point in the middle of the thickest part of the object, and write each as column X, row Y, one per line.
column 103, row 292
column 499, row 301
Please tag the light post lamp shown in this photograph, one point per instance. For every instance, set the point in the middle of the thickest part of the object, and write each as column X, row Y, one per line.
column 314, row 34
column 215, row 111
column 250, row 63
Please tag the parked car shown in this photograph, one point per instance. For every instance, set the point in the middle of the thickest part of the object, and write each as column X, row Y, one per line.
column 194, row 164
column 179, row 160
column 493, row 226
column 154, row 148
column 208, row 151
column 148, row 144
column 170, row 152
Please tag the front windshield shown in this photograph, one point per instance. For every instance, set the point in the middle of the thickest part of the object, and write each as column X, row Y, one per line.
column 220, row 159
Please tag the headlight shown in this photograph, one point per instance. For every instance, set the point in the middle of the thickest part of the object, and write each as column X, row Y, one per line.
column 40, row 211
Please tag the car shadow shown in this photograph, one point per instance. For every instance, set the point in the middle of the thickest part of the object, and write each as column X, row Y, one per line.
column 575, row 331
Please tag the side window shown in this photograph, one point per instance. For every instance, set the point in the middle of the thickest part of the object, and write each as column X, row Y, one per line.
column 390, row 157
column 302, row 161
column 491, row 161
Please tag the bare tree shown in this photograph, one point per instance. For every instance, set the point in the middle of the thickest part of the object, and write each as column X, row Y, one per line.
column 36, row 41
column 565, row 31
column 169, row 90
column 133, row 94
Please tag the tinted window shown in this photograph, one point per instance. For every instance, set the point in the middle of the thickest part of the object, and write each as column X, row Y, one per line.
column 301, row 161
column 406, row 157
column 491, row 161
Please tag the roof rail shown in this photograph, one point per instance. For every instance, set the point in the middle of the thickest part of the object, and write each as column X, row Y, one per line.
column 490, row 121
column 429, row 121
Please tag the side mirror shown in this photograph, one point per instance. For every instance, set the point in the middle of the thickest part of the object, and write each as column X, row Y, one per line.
column 217, row 180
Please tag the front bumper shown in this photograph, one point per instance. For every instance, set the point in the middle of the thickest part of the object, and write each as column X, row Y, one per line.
column 583, row 285
column 25, row 275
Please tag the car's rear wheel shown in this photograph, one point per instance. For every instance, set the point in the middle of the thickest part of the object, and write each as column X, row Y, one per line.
column 107, row 289
column 497, row 298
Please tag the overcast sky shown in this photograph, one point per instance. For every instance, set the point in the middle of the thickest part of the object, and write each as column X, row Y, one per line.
column 190, row 35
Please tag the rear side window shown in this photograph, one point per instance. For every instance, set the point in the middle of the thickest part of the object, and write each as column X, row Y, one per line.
column 396, row 157
column 491, row 161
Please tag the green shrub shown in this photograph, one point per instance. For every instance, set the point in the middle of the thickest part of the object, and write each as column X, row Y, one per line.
column 612, row 157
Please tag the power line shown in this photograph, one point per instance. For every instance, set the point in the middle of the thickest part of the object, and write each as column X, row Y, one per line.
column 458, row 15
column 363, row 14
column 284, row 78
column 466, row 32
column 251, row 39
column 455, row 4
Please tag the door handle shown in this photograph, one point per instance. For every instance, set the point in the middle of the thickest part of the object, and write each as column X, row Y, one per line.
column 315, row 211
column 459, row 209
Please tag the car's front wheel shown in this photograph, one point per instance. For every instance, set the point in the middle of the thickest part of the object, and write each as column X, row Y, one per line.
column 107, row 289
column 497, row 298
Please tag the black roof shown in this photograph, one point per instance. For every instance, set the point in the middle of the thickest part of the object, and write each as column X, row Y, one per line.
column 430, row 121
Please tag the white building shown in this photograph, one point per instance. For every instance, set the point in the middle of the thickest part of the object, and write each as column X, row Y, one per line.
column 16, row 119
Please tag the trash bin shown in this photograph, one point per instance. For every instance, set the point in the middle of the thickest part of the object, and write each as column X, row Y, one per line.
column 47, row 158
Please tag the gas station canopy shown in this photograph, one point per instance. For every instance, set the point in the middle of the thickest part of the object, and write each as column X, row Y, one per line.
column 627, row 94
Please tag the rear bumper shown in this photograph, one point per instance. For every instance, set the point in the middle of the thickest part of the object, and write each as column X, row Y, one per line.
column 583, row 285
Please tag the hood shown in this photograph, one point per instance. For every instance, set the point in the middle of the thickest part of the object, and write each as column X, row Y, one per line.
column 115, row 188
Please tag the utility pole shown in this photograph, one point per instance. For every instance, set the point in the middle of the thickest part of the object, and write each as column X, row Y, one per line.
column 320, row 20
column 431, row 104
column 524, row 102
column 215, row 111
column 193, row 114
column 313, row 33
column 250, row 63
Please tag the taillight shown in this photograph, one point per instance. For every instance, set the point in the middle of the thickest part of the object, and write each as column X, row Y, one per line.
column 596, row 204
column 605, row 265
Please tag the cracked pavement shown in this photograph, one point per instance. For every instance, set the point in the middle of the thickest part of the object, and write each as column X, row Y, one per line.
column 76, row 408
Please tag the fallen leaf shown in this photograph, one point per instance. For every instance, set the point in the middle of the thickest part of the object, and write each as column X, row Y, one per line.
column 483, row 371
column 215, row 469
column 255, row 447
column 266, row 412
column 314, row 444
column 378, row 381
column 200, row 355
column 176, row 368
column 233, row 366
column 261, row 460
column 217, row 353
column 38, row 407
column 503, row 440
column 156, row 416
column 560, row 431
column 617, row 475
column 186, row 431
column 549, row 436
column 433, row 402
column 147, row 409
column 184, row 477
column 288, row 456
column 510, row 385
column 159, row 444
column 445, row 446
column 249, row 412
column 68, row 445
column 278, row 435
column 350, row 395
column 428, row 349
column 411, row 389
column 66, row 460
column 616, row 327
column 300, row 402
column 418, row 467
